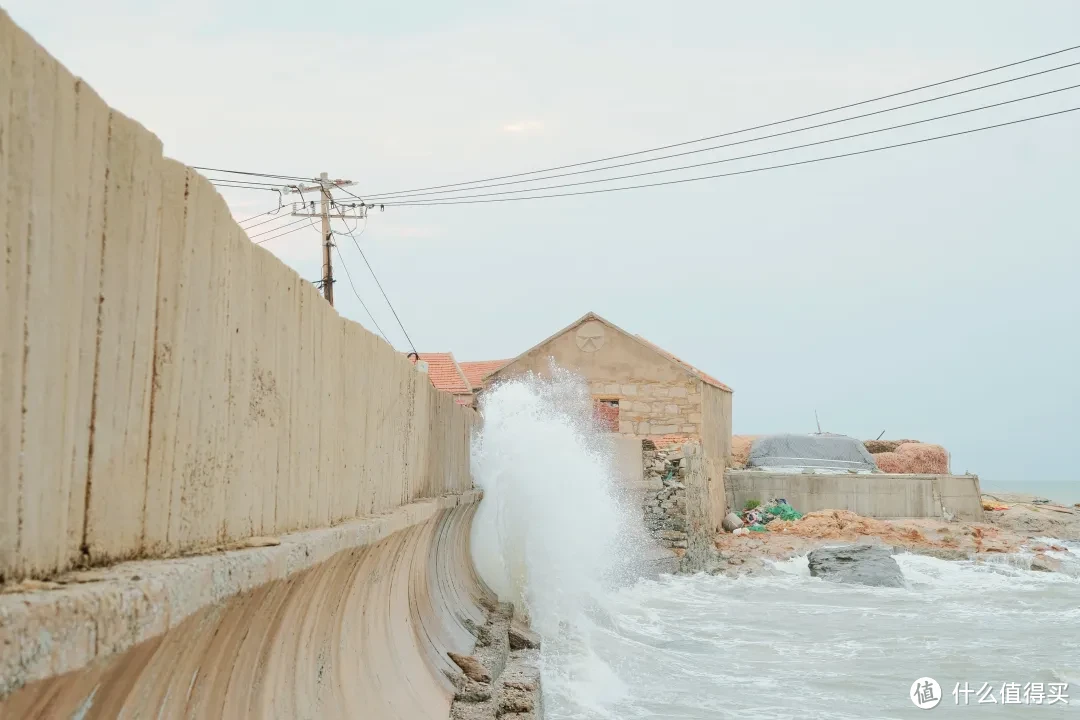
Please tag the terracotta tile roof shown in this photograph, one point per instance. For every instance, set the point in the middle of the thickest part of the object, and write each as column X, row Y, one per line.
column 705, row 377
column 476, row 371
column 446, row 374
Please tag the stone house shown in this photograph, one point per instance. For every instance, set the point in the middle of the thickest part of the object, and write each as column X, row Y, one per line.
column 640, row 389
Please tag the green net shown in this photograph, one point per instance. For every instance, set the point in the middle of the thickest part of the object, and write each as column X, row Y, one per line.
column 758, row 527
column 780, row 511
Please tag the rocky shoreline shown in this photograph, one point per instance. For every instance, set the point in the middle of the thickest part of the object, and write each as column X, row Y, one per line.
column 1022, row 525
column 501, row 679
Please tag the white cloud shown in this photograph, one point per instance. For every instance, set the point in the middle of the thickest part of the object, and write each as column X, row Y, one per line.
column 528, row 126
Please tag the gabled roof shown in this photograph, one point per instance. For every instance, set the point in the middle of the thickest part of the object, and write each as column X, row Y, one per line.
column 476, row 371
column 704, row 377
column 446, row 374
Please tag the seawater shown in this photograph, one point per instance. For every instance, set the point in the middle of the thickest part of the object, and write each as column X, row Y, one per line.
column 551, row 536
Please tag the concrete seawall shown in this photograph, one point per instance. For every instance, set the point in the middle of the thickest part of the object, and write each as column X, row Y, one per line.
column 877, row 495
column 218, row 498
column 345, row 622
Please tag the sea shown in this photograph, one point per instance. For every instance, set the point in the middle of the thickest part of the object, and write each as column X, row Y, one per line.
column 1064, row 492
column 962, row 639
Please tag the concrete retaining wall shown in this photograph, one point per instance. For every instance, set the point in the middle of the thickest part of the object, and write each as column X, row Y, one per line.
column 165, row 384
column 879, row 495
column 168, row 388
column 345, row 622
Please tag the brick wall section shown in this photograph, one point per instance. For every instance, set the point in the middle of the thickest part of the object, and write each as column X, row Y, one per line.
column 649, row 409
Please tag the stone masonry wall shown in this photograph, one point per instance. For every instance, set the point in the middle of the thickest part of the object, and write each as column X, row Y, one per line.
column 652, row 409
column 665, row 509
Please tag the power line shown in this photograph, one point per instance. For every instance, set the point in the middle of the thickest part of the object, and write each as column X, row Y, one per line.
column 743, row 142
column 759, row 154
column 385, row 297
column 254, row 217
column 279, row 227
column 287, row 232
column 734, row 132
column 731, row 174
column 246, row 182
column 254, row 174
column 267, row 221
column 371, row 317
column 242, row 187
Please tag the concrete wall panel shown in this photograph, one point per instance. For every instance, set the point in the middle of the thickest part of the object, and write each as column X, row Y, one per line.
column 879, row 495
column 165, row 385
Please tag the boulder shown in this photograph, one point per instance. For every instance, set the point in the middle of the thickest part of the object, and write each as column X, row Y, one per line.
column 472, row 667
column 523, row 638
column 731, row 523
column 859, row 564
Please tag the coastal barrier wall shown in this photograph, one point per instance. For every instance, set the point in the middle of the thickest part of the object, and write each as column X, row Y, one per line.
column 218, row 498
column 877, row 495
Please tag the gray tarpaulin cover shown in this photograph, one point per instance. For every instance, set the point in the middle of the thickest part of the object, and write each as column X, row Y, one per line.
column 833, row 452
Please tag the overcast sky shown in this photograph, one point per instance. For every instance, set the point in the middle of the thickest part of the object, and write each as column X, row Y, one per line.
column 931, row 291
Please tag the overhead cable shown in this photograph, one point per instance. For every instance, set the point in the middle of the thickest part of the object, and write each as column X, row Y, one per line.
column 381, row 290
column 384, row 199
column 371, row 317
column 421, row 203
column 758, row 154
column 732, row 132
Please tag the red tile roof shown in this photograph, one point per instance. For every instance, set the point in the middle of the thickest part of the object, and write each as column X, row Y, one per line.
column 446, row 374
column 476, row 371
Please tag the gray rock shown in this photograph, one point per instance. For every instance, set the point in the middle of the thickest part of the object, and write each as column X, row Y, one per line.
column 859, row 564
column 523, row 638
column 732, row 522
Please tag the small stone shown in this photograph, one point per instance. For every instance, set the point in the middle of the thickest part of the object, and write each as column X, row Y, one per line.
column 473, row 692
column 523, row 639
column 731, row 523
column 456, row 679
column 472, row 667
column 515, row 700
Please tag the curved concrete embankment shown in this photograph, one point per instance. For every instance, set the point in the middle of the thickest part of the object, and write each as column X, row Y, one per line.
column 344, row 622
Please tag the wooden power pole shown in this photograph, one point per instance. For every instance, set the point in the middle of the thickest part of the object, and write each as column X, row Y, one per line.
column 329, row 209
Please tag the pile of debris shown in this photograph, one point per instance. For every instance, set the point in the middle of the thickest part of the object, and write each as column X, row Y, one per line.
column 756, row 517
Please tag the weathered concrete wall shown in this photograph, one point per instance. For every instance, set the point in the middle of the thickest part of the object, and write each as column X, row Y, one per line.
column 345, row 622
column 716, row 425
column 168, row 388
column 882, row 496
column 166, row 385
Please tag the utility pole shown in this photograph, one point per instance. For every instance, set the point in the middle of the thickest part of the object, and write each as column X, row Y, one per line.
column 329, row 209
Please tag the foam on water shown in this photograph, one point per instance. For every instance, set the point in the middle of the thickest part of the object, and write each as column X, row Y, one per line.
column 550, row 534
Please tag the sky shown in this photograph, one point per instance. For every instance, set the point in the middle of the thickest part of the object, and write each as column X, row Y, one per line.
column 926, row 292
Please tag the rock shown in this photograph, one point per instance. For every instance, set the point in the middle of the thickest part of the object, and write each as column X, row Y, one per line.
column 860, row 564
column 472, row 667
column 1042, row 563
column 732, row 522
column 473, row 692
column 515, row 700
column 458, row 680
column 523, row 639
